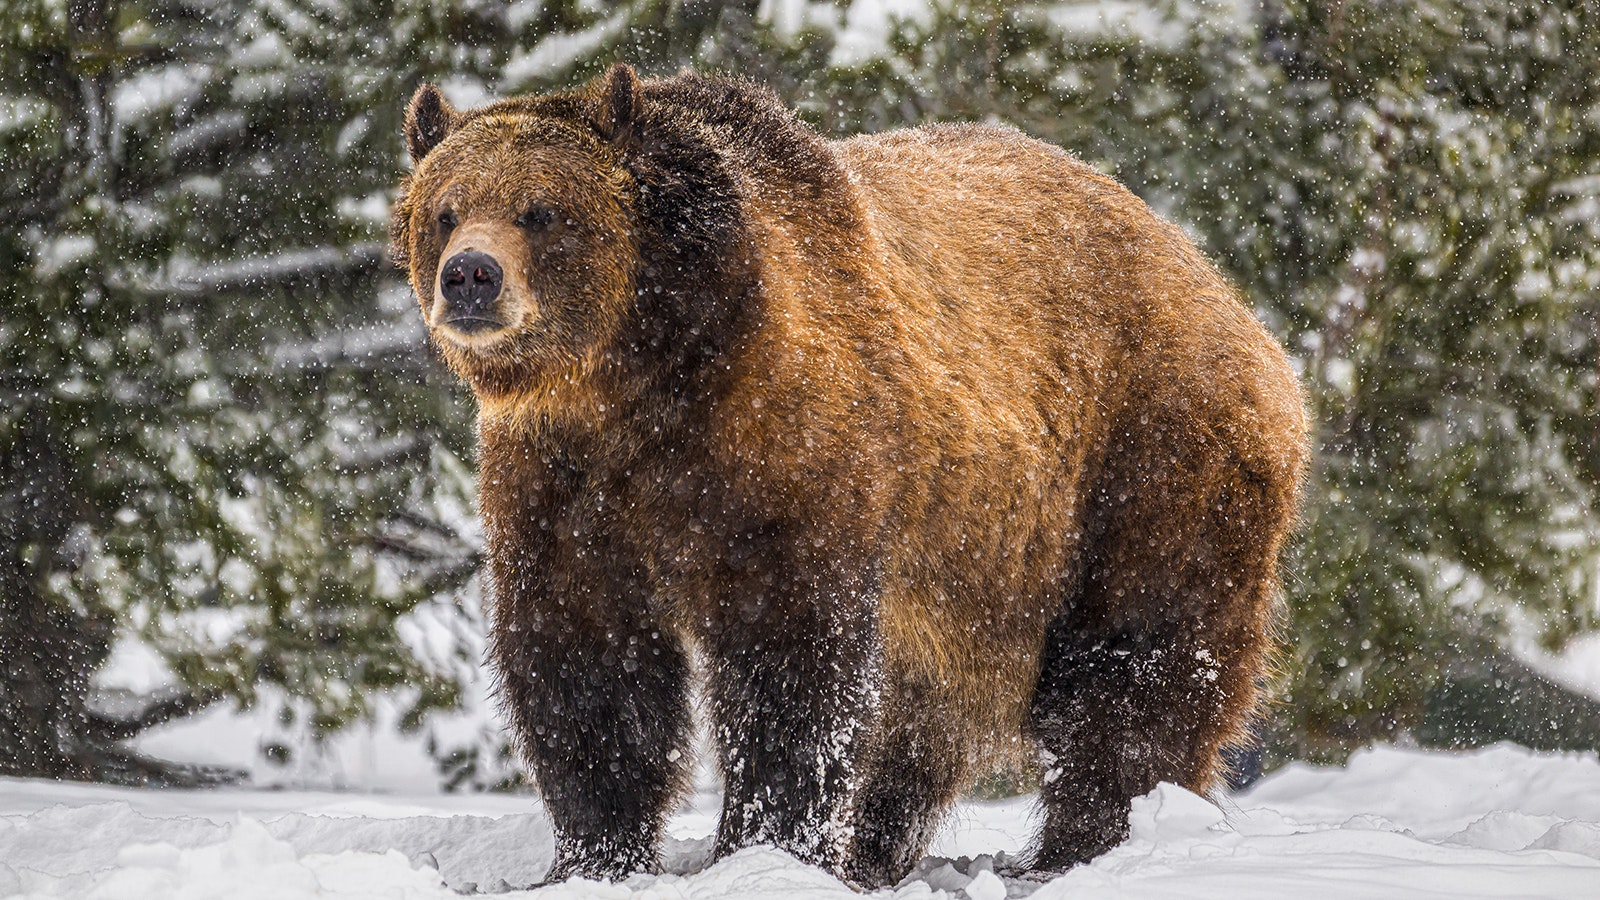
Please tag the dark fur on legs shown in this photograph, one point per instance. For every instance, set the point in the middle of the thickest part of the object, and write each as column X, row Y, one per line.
column 916, row 774
column 1114, row 716
column 607, row 743
column 596, row 690
column 793, row 684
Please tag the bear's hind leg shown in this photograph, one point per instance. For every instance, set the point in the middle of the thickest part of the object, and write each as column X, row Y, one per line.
column 917, row 771
column 1113, row 716
column 1154, row 662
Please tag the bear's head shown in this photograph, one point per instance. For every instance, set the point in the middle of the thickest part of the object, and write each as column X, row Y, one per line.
column 594, row 247
column 519, row 226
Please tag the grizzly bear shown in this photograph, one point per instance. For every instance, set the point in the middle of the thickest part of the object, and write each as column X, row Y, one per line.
column 913, row 454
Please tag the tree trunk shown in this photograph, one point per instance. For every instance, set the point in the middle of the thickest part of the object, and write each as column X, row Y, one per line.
column 49, row 647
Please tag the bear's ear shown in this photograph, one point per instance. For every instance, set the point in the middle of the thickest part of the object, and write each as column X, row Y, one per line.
column 429, row 120
column 620, row 104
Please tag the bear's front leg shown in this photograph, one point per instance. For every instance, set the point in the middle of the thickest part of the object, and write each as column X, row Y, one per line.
column 793, row 682
column 597, row 695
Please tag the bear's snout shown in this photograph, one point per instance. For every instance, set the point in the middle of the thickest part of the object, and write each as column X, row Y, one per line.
column 470, row 283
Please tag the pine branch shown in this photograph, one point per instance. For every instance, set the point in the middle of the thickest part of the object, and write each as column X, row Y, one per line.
column 108, row 729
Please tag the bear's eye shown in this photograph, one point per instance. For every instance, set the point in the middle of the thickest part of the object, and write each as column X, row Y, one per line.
column 536, row 217
column 447, row 221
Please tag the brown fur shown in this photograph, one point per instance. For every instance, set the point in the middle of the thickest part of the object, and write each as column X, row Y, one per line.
column 945, row 402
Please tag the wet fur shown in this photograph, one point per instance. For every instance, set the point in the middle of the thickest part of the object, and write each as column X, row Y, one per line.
column 932, row 449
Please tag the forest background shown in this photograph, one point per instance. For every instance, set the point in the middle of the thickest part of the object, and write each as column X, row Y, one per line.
column 227, row 453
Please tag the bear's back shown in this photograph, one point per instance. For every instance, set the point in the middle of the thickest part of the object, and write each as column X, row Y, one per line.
column 1001, row 240
column 982, row 211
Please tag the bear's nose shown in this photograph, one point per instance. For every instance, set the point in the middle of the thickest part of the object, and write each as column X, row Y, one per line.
column 470, row 281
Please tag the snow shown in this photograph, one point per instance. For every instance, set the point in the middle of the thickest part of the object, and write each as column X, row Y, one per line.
column 560, row 51
column 861, row 30
column 1576, row 667
column 1112, row 18
column 1496, row 823
column 188, row 275
column 371, row 755
column 868, row 25
column 349, row 343
column 56, row 254
column 154, row 91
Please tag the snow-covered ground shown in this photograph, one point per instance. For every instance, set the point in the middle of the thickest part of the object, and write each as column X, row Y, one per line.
column 1498, row 823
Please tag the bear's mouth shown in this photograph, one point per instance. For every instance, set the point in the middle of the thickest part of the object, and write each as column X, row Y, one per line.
column 474, row 325
column 475, row 333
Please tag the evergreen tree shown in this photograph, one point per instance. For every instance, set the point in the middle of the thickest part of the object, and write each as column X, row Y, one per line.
column 225, row 436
